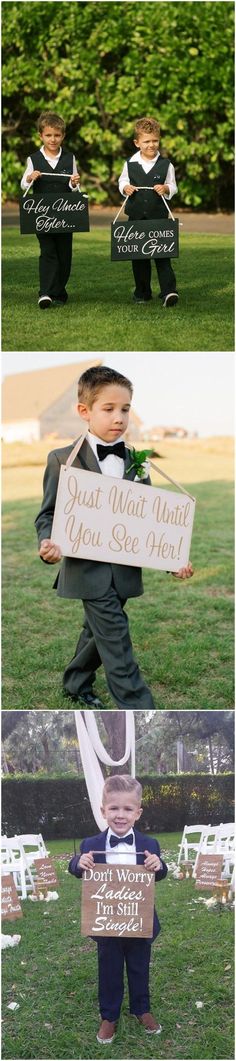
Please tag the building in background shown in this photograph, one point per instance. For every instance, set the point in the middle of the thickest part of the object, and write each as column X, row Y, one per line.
column 43, row 405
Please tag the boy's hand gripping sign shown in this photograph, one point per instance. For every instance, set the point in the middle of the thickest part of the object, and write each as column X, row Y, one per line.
column 118, row 521
column 117, row 901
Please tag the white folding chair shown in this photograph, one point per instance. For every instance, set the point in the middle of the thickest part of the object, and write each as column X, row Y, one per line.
column 33, row 846
column 13, row 861
column 208, row 843
column 226, row 846
column 191, row 839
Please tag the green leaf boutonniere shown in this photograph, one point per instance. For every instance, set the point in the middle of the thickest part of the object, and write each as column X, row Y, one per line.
column 139, row 458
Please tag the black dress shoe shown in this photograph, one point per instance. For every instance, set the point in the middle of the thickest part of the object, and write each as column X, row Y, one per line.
column 86, row 698
column 90, row 700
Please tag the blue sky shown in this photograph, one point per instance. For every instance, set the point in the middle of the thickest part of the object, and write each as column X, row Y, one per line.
column 195, row 390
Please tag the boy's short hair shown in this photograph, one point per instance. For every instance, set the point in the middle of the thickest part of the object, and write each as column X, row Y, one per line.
column 146, row 125
column 49, row 118
column 122, row 783
column 92, row 381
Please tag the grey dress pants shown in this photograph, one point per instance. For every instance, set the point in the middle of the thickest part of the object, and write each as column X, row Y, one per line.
column 105, row 639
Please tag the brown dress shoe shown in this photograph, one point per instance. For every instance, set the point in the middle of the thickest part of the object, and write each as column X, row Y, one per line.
column 106, row 1031
column 149, row 1023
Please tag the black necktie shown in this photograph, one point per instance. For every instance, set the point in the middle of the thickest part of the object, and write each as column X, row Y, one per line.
column 104, row 451
column 114, row 840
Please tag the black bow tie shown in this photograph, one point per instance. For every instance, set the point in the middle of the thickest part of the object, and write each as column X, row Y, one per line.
column 114, row 840
column 104, row 451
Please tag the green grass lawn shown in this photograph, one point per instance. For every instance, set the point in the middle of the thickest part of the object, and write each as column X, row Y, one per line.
column 100, row 314
column 52, row 975
column 182, row 632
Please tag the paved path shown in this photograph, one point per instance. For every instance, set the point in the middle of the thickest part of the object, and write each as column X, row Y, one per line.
column 217, row 224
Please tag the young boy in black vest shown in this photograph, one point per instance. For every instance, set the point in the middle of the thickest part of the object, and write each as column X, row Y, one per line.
column 55, row 250
column 147, row 168
column 121, row 807
column 104, row 403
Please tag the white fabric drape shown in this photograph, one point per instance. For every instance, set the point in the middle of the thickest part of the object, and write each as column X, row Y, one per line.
column 91, row 750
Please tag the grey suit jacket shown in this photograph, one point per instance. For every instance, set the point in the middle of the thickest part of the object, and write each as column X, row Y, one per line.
column 84, row 579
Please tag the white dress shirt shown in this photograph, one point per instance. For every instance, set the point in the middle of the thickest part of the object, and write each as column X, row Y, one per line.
column 122, row 853
column 146, row 166
column 52, row 160
column 111, row 465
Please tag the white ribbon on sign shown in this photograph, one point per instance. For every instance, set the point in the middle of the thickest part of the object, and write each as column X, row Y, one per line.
column 60, row 175
column 91, row 749
column 146, row 187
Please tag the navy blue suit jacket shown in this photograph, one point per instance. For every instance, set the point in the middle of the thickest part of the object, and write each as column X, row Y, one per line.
column 143, row 843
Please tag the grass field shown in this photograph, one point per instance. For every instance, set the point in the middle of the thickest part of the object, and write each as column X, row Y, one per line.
column 188, row 460
column 100, row 314
column 52, row 975
column 182, row 632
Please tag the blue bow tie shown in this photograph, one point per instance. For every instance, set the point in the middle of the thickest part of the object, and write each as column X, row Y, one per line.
column 114, row 840
column 105, row 451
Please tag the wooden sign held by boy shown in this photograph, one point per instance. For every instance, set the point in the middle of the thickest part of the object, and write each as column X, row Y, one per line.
column 120, row 522
column 117, row 901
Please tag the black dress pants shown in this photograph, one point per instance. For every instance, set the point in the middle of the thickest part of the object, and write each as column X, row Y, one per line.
column 105, row 639
column 54, row 263
column 142, row 276
column 113, row 954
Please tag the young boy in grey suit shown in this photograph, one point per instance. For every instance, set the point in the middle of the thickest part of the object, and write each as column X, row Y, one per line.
column 104, row 400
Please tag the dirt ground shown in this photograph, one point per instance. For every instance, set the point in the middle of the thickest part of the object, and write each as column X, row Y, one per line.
column 188, row 461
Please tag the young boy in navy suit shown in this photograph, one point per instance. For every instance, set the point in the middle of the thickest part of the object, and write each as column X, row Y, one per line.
column 55, row 250
column 121, row 806
column 104, row 403
column 147, row 168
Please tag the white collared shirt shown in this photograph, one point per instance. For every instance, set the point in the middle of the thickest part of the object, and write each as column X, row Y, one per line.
column 147, row 165
column 111, row 465
column 52, row 162
column 123, row 852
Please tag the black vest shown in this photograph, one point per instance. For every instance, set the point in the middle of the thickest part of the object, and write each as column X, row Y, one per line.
column 64, row 165
column 145, row 204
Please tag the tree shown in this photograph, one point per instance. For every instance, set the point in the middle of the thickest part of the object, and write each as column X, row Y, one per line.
column 208, row 736
column 47, row 741
column 40, row 741
column 10, row 720
column 102, row 66
column 114, row 724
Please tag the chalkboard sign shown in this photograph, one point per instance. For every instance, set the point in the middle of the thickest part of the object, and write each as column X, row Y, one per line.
column 10, row 903
column 52, row 213
column 144, row 239
column 117, row 901
column 45, row 874
column 208, row 870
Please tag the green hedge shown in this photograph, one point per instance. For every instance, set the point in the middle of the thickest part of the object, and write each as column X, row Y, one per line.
column 61, row 808
column 104, row 65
